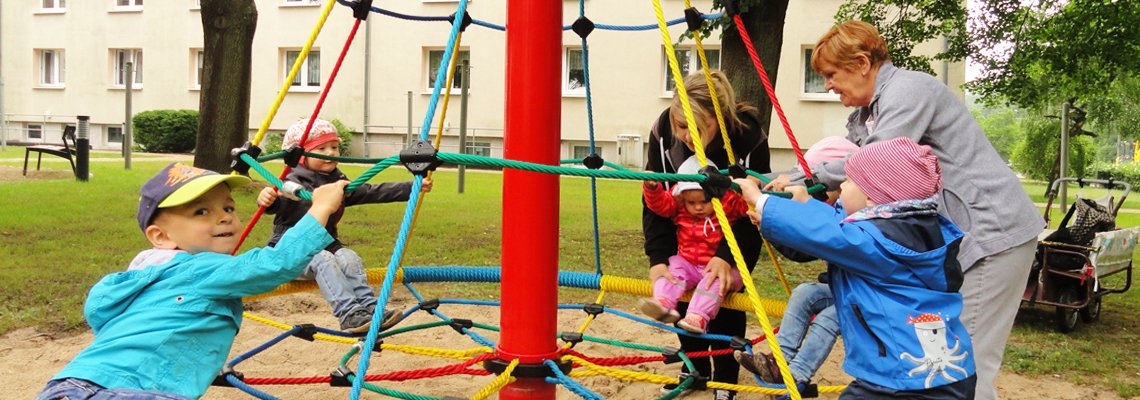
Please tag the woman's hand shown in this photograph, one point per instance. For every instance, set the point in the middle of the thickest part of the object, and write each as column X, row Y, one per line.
column 749, row 190
column 779, row 183
column 722, row 270
column 661, row 271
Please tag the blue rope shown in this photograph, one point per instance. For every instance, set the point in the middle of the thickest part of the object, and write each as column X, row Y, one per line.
column 590, row 123
column 570, row 384
column 237, row 383
column 475, row 336
column 389, row 277
column 441, row 75
column 262, row 348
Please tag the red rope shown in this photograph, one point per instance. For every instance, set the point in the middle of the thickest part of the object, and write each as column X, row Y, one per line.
column 308, row 126
column 771, row 93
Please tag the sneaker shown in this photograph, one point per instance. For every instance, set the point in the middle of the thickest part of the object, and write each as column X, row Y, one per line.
column 356, row 321
column 722, row 394
column 669, row 387
column 390, row 319
column 654, row 309
column 694, row 324
column 761, row 364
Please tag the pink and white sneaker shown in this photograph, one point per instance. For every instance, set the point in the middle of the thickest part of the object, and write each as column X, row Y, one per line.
column 694, row 324
column 654, row 309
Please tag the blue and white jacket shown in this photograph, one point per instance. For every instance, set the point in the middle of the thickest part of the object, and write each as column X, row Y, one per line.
column 895, row 282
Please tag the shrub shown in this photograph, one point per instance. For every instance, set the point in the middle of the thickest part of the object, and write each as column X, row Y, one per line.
column 166, row 131
column 272, row 142
column 1122, row 172
column 1035, row 154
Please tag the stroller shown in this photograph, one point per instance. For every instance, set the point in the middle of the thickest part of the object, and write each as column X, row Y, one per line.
column 1072, row 260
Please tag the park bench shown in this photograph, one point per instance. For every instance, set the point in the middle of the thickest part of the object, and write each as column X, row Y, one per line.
column 67, row 150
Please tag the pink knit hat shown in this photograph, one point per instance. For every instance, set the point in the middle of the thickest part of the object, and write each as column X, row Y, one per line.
column 897, row 169
column 321, row 133
column 829, row 149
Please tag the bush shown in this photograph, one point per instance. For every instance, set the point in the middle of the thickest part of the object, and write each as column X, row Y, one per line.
column 1121, row 172
column 166, row 131
column 1035, row 154
column 272, row 142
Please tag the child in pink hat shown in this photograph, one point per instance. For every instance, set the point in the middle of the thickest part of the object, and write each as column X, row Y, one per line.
column 338, row 270
column 892, row 270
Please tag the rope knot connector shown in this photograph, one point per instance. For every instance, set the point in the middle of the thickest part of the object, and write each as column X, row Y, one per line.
column 583, row 26
column 237, row 164
column 420, row 157
column 716, row 183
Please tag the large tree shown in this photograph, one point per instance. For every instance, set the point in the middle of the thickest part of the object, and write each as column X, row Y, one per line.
column 228, row 27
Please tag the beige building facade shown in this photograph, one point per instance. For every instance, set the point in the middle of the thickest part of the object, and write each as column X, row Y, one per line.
column 60, row 59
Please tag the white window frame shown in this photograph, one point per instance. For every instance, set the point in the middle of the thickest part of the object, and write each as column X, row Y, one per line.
column 39, row 132
column 575, row 148
column 304, row 81
column 197, row 6
column 568, row 89
column 52, row 68
column 107, row 134
column 692, row 65
column 126, row 5
column 53, row 6
column 119, row 58
column 807, row 73
column 300, row 3
column 484, row 148
column 431, row 69
column 197, row 68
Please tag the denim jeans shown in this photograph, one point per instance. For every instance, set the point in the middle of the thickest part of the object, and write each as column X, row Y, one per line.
column 342, row 281
column 804, row 341
column 79, row 389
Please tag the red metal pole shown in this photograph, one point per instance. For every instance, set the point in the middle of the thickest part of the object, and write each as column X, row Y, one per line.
column 530, row 200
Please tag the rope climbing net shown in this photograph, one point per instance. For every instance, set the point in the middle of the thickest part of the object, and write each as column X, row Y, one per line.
column 421, row 158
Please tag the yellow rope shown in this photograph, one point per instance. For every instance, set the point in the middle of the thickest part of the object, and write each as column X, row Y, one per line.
column 712, row 93
column 497, row 384
column 589, row 318
column 718, row 208
column 293, row 73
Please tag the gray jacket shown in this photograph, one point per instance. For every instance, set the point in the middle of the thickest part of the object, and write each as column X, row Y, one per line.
column 979, row 191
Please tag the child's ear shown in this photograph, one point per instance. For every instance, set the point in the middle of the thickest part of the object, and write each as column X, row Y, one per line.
column 159, row 238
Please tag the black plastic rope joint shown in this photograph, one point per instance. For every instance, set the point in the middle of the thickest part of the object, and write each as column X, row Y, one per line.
column 340, row 377
column 429, row 305
column 671, row 354
column 583, row 26
column 361, row 9
column 239, row 165
column 227, row 370
column 305, row 331
column 716, row 183
column 809, row 390
column 464, row 23
column 594, row 309
column 571, row 337
column 699, row 382
column 593, row 161
column 820, row 195
column 377, row 347
column 740, row 344
column 293, row 155
column 737, row 171
column 420, row 157
column 460, row 324
column 730, row 8
column 694, row 19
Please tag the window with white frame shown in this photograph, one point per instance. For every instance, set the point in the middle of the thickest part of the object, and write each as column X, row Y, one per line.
column 53, row 5
column 302, row 2
column 51, row 67
column 114, row 134
column 479, row 149
column 434, row 59
column 121, row 58
column 574, row 71
column 128, row 3
column 199, row 58
column 689, row 62
column 813, row 82
column 584, row 151
column 310, row 74
column 34, row 131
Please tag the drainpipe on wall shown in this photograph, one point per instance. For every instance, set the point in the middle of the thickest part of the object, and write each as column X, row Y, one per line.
column 367, row 80
column 3, row 117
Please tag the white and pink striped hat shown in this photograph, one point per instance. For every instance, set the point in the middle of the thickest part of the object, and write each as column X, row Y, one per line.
column 894, row 170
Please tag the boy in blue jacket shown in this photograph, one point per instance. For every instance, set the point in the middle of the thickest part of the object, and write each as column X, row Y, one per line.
column 164, row 327
column 892, row 270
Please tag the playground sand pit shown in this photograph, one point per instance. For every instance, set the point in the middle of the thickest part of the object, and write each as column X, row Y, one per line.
column 30, row 358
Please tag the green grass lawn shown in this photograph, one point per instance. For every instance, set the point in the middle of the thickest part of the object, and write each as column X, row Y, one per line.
column 60, row 236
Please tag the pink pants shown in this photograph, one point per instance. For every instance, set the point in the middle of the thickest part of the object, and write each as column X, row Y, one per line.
column 705, row 303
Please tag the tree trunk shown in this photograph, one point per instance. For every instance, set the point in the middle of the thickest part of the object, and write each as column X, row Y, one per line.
column 764, row 22
column 223, row 124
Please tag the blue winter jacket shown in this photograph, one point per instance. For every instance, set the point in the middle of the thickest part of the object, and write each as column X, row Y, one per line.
column 168, row 326
column 895, row 283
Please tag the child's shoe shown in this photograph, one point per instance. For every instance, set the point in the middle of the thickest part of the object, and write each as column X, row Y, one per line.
column 722, row 394
column 762, row 364
column 357, row 321
column 654, row 309
column 694, row 324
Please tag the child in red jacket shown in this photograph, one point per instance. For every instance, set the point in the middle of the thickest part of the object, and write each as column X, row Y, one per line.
column 698, row 235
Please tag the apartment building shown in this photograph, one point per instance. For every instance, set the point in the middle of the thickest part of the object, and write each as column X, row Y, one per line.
column 61, row 59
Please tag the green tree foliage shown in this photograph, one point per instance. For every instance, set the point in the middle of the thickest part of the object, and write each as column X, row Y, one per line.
column 905, row 24
column 1036, row 155
column 1002, row 128
column 166, row 131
